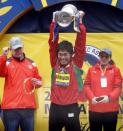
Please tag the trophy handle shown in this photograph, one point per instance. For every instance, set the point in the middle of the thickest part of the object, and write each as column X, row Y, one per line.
column 25, row 88
column 66, row 16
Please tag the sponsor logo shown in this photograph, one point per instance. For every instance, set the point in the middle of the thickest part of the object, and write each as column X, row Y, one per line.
column 91, row 58
column 92, row 55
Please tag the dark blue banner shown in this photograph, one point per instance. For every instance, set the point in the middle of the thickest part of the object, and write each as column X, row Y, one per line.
column 12, row 10
column 98, row 18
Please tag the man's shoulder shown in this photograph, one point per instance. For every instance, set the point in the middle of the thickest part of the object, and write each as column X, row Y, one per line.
column 9, row 59
column 31, row 61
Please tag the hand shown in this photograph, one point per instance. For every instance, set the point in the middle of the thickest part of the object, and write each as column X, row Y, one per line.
column 6, row 50
column 105, row 99
column 55, row 14
column 76, row 22
column 81, row 14
column 36, row 82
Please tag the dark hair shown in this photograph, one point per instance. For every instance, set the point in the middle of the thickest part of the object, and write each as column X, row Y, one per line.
column 65, row 45
column 111, row 62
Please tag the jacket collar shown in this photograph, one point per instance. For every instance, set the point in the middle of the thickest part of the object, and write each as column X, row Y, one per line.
column 20, row 59
column 108, row 66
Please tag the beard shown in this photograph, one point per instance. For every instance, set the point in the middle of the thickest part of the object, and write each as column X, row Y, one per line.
column 19, row 57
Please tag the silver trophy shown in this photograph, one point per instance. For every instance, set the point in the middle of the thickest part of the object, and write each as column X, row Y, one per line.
column 65, row 17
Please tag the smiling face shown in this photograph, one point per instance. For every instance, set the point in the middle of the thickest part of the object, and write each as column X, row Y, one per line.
column 104, row 58
column 64, row 57
column 17, row 52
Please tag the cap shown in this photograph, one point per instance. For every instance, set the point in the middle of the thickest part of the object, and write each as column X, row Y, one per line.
column 106, row 51
column 15, row 42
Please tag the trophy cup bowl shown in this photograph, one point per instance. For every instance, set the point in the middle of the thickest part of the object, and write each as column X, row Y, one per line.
column 66, row 15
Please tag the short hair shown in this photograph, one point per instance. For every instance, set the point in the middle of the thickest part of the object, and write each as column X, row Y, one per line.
column 65, row 45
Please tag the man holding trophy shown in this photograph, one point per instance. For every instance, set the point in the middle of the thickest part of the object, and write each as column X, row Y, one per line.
column 66, row 64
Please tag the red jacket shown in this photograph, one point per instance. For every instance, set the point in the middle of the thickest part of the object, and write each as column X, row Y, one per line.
column 69, row 95
column 15, row 72
column 92, row 88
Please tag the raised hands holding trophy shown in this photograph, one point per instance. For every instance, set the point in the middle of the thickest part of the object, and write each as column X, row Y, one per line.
column 66, row 61
column 67, row 15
